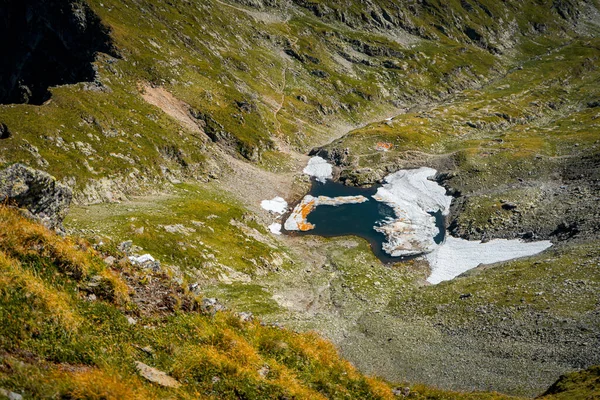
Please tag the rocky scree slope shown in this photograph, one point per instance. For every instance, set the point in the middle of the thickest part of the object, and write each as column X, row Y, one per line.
column 520, row 157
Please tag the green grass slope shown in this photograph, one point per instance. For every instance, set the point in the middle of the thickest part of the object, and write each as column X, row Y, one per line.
column 65, row 333
column 501, row 97
column 283, row 77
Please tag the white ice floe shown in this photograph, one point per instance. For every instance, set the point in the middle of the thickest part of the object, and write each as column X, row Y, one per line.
column 297, row 219
column 456, row 256
column 412, row 196
column 277, row 205
column 319, row 168
column 275, row 228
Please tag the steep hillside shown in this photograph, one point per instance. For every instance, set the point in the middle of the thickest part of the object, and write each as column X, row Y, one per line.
column 283, row 78
column 83, row 322
column 76, row 326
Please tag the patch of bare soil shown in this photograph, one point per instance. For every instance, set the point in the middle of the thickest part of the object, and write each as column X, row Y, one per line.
column 173, row 107
column 252, row 184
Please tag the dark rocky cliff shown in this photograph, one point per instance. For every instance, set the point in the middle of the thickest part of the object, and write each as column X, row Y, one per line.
column 47, row 43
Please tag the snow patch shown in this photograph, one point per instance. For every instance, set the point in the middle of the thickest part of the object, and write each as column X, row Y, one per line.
column 141, row 259
column 276, row 205
column 319, row 168
column 275, row 228
column 412, row 196
column 456, row 256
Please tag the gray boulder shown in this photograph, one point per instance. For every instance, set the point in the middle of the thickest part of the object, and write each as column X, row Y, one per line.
column 211, row 306
column 39, row 193
column 10, row 395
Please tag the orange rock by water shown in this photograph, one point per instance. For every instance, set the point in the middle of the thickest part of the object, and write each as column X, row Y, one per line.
column 304, row 211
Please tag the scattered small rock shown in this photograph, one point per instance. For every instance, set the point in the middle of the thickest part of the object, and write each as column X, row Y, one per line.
column 211, row 306
column 147, row 349
column 110, row 260
column 194, row 288
column 156, row 376
column 319, row 73
column 264, row 371
column 246, row 106
column 146, row 261
column 507, row 205
column 178, row 228
column 10, row 395
column 245, row 316
column 594, row 104
column 404, row 391
column 125, row 246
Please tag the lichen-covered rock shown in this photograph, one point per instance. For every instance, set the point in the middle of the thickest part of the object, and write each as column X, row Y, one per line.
column 36, row 191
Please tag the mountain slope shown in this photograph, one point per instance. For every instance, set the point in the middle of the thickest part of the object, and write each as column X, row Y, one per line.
column 195, row 111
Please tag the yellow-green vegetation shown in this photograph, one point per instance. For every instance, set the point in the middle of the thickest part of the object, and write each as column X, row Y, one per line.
column 73, row 328
column 501, row 96
column 58, row 340
column 576, row 386
column 199, row 229
column 201, row 234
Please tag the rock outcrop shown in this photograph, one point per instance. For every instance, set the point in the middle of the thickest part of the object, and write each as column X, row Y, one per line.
column 39, row 193
column 47, row 43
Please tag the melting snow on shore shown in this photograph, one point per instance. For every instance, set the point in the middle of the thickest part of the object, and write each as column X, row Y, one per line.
column 456, row 256
column 275, row 228
column 319, row 168
column 277, row 205
column 412, row 196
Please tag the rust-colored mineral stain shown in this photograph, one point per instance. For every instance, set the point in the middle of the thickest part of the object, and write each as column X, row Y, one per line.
column 383, row 146
column 306, row 209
